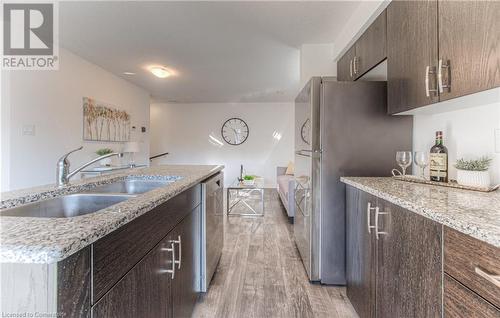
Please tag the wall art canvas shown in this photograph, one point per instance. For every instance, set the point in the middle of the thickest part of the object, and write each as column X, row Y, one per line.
column 103, row 122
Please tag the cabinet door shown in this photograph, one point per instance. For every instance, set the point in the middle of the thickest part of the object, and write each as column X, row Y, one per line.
column 361, row 266
column 469, row 42
column 371, row 46
column 412, row 46
column 345, row 71
column 144, row 291
column 409, row 264
column 185, row 285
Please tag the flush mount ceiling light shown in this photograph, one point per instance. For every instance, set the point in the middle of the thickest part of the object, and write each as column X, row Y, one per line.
column 128, row 73
column 160, row 71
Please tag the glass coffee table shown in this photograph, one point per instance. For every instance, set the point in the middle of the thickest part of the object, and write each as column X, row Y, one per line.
column 248, row 197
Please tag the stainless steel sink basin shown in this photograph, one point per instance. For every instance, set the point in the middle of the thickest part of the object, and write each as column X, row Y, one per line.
column 130, row 186
column 67, row 206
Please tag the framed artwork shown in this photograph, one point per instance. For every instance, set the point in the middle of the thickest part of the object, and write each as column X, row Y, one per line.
column 102, row 122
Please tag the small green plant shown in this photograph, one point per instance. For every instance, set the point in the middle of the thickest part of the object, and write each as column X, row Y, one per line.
column 481, row 164
column 248, row 177
column 104, row 151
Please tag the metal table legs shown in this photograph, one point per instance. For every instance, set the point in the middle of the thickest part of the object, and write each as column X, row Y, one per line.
column 242, row 197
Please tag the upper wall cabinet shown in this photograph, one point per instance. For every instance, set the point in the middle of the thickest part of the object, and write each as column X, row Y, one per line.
column 371, row 46
column 345, row 70
column 438, row 50
column 469, row 47
column 368, row 51
column 411, row 54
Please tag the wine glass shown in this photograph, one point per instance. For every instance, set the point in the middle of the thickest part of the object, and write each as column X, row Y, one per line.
column 403, row 158
column 422, row 160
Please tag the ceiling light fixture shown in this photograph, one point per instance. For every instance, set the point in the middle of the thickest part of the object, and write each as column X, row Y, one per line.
column 160, row 71
column 128, row 73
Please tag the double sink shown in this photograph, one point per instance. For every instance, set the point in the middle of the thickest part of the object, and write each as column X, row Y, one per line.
column 90, row 201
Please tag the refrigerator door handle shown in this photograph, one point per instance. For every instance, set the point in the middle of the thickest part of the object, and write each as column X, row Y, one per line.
column 299, row 153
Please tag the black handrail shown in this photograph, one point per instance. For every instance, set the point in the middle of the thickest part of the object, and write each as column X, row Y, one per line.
column 158, row 156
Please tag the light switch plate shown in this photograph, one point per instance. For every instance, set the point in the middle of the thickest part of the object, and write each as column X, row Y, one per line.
column 29, row 130
column 497, row 140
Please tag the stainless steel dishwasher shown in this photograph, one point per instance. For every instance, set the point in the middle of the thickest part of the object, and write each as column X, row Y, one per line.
column 212, row 231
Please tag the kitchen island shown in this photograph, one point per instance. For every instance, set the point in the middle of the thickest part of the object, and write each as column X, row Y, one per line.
column 421, row 250
column 135, row 258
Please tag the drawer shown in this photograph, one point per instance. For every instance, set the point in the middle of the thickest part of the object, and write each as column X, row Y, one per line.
column 473, row 263
column 459, row 301
column 116, row 253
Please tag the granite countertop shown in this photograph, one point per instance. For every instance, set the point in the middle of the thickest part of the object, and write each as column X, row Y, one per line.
column 474, row 213
column 49, row 240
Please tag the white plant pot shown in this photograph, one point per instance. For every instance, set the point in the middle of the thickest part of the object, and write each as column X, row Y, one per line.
column 105, row 162
column 474, row 178
column 248, row 182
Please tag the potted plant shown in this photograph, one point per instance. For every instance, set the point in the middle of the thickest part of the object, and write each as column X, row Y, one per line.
column 248, row 180
column 106, row 161
column 473, row 173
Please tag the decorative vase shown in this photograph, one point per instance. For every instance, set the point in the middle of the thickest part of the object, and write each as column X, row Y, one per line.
column 474, row 178
column 106, row 162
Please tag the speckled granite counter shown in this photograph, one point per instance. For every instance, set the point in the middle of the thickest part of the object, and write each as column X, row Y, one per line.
column 48, row 240
column 474, row 213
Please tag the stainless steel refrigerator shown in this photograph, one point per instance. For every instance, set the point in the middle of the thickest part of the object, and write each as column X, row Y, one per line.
column 341, row 129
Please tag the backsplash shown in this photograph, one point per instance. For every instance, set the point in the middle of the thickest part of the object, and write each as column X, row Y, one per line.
column 468, row 125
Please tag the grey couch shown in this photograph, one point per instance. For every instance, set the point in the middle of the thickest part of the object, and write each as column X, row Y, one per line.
column 286, row 191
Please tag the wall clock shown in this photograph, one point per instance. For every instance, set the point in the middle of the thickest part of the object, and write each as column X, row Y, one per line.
column 235, row 131
column 305, row 131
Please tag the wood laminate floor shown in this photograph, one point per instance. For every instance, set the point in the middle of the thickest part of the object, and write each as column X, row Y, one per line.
column 260, row 273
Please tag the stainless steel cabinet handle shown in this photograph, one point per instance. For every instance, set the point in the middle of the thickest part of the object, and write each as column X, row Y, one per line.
column 172, row 250
column 179, row 261
column 355, row 66
column 350, row 67
column 369, row 209
column 442, row 86
column 494, row 279
column 427, row 89
column 377, row 214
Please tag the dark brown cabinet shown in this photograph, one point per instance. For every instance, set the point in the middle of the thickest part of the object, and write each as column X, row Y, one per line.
column 394, row 266
column 409, row 266
column 360, row 252
column 469, row 46
column 371, row 46
column 368, row 51
column 412, row 50
column 345, row 70
column 472, row 267
column 185, row 284
column 438, row 50
column 144, row 291
column 164, row 283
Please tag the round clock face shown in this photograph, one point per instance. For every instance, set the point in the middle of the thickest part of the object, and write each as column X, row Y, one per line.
column 305, row 131
column 235, row 131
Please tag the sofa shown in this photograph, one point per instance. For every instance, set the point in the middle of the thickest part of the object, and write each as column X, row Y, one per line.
column 286, row 191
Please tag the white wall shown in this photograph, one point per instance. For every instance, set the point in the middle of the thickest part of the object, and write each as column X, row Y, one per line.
column 52, row 102
column 184, row 130
column 468, row 124
column 316, row 60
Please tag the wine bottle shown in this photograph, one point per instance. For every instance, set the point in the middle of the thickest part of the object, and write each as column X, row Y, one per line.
column 439, row 160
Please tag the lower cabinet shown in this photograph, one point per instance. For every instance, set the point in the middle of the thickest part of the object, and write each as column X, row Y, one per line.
column 145, row 291
column 185, row 284
column 360, row 257
column 394, row 266
column 409, row 263
column 164, row 283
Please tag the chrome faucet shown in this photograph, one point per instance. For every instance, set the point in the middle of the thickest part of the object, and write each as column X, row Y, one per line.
column 62, row 173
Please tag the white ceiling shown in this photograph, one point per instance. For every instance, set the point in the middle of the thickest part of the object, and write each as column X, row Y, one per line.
column 221, row 51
